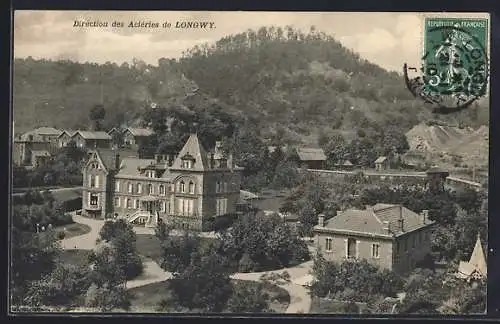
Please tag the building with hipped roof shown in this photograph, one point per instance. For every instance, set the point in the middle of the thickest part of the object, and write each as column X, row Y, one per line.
column 386, row 235
column 187, row 190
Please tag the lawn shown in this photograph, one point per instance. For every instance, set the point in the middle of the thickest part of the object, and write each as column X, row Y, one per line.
column 73, row 229
column 149, row 246
column 75, row 257
column 329, row 306
column 147, row 298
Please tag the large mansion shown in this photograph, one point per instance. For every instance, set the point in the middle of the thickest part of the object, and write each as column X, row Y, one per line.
column 188, row 190
column 389, row 236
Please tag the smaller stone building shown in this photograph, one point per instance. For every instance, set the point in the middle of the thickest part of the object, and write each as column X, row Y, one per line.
column 386, row 235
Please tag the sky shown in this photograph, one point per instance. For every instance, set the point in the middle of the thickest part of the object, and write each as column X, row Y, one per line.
column 386, row 39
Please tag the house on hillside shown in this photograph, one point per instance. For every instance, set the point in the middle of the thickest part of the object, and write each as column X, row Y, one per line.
column 91, row 139
column 382, row 163
column 476, row 268
column 135, row 138
column 65, row 137
column 188, row 192
column 38, row 141
column 42, row 134
column 311, row 158
column 344, row 165
column 386, row 235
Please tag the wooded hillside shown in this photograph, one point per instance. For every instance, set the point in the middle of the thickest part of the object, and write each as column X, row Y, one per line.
column 301, row 86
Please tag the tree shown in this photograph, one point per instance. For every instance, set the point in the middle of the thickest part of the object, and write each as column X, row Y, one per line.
column 248, row 298
column 177, row 251
column 336, row 151
column 121, row 236
column 107, row 298
column 96, row 115
column 62, row 287
column 33, row 256
column 204, row 284
column 257, row 242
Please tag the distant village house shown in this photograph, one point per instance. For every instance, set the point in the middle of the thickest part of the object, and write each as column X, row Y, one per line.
column 311, row 158
column 382, row 163
column 91, row 139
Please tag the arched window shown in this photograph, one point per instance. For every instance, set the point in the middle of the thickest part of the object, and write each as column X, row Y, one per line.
column 182, row 187
column 161, row 190
column 218, row 187
column 130, row 187
column 139, row 188
column 150, row 189
column 129, row 203
column 191, row 187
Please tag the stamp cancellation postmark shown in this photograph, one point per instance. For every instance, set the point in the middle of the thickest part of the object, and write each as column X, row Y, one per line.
column 454, row 67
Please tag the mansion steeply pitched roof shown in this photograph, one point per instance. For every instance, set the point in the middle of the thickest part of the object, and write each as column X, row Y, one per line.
column 194, row 148
column 380, row 219
column 311, row 154
column 131, row 166
column 108, row 156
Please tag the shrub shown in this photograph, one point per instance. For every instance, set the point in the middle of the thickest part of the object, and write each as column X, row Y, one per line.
column 351, row 308
column 246, row 264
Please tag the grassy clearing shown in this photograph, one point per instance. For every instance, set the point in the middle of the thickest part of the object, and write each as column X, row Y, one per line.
column 149, row 246
column 328, row 306
column 147, row 298
column 75, row 257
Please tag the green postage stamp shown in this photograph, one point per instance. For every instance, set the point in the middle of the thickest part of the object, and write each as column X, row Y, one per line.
column 454, row 71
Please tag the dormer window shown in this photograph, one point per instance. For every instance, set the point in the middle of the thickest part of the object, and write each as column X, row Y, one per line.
column 150, row 174
column 187, row 161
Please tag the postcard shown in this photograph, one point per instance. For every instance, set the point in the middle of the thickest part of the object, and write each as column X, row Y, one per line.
column 239, row 163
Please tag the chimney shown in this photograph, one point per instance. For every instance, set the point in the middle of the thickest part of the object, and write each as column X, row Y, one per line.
column 401, row 220
column 321, row 220
column 117, row 161
column 425, row 216
column 387, row 227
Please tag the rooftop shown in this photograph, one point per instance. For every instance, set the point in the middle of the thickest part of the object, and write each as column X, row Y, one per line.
column 376, row 220
column 311, row 154
column 381, row 159
column 140, row 131
column 93, row 135
column 194, row 148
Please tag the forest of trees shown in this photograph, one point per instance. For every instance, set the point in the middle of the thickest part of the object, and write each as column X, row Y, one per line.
column 270, row 77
